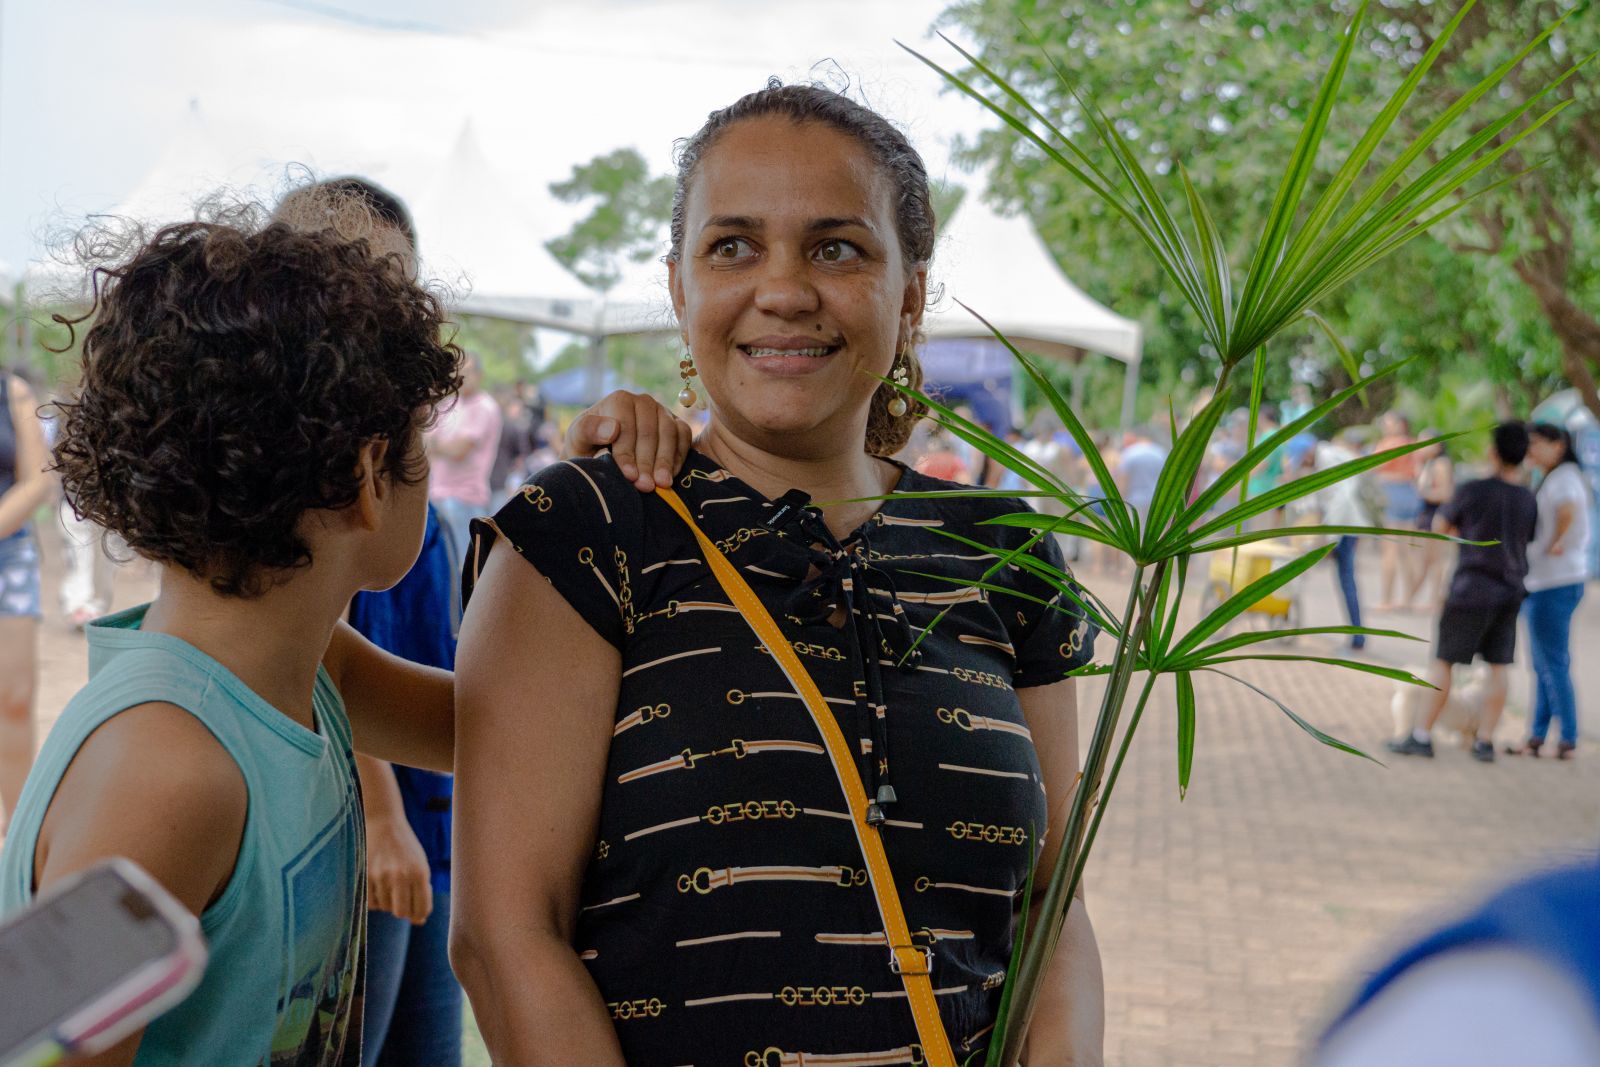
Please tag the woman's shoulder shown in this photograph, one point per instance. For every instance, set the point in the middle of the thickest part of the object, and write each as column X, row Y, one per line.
column 587, row 490
column 1569, row 477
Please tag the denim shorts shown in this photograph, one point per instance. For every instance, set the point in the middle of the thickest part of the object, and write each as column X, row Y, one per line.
column 19, row 577
column 1401, row 503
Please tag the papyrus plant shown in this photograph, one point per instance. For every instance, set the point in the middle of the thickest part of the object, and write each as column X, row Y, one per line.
column 1316, row 238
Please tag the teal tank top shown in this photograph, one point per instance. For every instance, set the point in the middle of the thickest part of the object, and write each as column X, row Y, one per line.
column 288, row 934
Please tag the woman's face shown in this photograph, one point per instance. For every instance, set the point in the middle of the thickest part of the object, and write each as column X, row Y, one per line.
column 1545, row 453
column 791, row 289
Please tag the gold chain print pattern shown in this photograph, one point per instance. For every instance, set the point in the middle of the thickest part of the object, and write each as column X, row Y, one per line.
column 776, row 1057
column 727, row 914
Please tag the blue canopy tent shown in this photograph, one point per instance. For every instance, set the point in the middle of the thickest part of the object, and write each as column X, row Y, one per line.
column 973, row 372
column 573, row 388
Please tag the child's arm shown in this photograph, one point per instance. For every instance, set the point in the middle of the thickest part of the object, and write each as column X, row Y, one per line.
column 399, row 711
column 154, row 785
column 399, row 880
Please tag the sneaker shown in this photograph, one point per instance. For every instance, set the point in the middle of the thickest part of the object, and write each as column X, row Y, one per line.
column 1483, row 751
column 1410, row 746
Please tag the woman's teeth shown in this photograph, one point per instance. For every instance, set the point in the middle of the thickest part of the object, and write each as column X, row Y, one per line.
column 761, row 353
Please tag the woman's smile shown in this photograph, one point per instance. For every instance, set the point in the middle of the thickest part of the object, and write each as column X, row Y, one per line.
column 788, row 357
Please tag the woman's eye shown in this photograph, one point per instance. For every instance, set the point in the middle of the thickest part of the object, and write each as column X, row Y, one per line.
column 838, row 252
column 729, row 248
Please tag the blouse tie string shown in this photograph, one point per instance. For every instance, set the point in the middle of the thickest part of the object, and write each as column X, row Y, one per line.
column 848, row 580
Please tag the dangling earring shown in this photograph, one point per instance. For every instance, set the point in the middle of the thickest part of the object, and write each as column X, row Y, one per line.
column 687, row 396
column 902, row 378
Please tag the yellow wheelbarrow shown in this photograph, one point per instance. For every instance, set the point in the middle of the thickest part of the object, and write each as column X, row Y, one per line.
column 1233, row 569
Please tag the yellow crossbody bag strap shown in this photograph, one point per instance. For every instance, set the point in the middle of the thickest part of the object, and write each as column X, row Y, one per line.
column 905, row 958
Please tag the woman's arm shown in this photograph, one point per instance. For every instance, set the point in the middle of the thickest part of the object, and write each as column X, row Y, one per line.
column 1069, row 1020
column 33, row 483
column 537, row 690
column 1566, row 511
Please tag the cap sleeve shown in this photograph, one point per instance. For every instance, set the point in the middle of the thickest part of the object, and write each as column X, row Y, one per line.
column 575, row 521
column 1052, row 638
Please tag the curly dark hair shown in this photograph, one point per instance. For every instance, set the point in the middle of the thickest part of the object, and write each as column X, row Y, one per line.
column 232, row 372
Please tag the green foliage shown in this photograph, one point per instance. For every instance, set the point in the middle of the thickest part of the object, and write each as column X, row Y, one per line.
column 946, row 197
column 1216, row 87
column 626, row 221
column 34, row 344
column 501, row 347
column 1340, row 207
column 645, row 363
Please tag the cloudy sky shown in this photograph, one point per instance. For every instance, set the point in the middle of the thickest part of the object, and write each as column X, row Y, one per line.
column 95, row 94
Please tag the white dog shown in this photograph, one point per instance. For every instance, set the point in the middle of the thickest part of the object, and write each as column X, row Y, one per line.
column 1463, row 712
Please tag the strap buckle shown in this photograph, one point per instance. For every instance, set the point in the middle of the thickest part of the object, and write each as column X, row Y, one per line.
column 911, row 959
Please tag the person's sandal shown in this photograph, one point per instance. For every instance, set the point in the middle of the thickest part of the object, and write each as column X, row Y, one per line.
column 1564, row 749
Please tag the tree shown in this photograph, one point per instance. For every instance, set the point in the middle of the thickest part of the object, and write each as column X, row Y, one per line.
column 627, row 221
column 1221, row 87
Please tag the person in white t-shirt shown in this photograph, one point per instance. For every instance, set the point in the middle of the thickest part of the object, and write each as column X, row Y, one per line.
column 1558, row 563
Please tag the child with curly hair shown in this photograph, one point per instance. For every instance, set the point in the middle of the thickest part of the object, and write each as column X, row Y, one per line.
column 250, row 417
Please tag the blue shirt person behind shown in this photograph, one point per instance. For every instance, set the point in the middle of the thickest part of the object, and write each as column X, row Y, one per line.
column 413, row 1002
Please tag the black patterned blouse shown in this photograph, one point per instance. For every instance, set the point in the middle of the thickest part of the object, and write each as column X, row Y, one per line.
column 726, row 915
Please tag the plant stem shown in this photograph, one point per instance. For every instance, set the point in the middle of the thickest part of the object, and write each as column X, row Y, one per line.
column 1063, row 877
column 1111, row 778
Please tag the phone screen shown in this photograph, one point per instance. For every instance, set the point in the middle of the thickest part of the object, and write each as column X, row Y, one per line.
column 72, row 948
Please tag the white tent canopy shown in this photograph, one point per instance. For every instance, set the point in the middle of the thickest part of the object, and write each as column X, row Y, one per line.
column 478, row 236
column 999, row 267
column 193, row 164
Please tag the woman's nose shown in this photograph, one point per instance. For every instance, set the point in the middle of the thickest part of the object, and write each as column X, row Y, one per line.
column 785, row 288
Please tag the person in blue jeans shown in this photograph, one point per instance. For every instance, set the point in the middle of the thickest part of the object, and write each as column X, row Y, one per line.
column 1558, row 560
column 1341, row 505
column 413, row 1005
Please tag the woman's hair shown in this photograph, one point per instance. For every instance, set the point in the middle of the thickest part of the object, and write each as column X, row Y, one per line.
column 232, row 374
column 1549, row 431
column 915, row 225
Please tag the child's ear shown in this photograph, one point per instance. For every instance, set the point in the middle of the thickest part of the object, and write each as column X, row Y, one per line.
column 375, row 488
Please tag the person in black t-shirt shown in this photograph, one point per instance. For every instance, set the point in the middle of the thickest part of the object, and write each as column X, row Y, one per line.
column 1480, row 611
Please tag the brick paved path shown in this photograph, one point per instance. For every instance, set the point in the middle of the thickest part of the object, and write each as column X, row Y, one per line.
column 1230, row 923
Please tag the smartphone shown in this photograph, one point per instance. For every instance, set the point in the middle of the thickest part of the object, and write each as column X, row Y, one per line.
column 90, row 962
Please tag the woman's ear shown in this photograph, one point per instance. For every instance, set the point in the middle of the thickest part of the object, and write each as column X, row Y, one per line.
column 675, row 287
column 915, row 300
column 375, row 484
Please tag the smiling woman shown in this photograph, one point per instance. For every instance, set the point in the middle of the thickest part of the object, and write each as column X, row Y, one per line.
column 708, row 773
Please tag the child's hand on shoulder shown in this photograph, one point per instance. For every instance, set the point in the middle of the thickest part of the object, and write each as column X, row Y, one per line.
column 647, row 441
